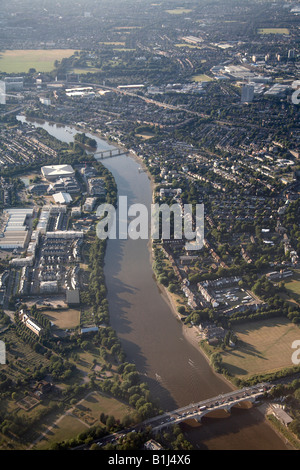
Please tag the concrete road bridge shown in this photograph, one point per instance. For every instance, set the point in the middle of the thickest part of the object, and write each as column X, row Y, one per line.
column 195, row 411
column 198, row 410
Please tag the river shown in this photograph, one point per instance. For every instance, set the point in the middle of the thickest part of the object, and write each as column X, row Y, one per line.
column 152, row 337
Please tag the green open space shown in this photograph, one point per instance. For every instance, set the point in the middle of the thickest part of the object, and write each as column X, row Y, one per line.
column 112, row 43
column 293, row 286
column 67, row 428
column 84, row 414
column 178, row 11
column 263, row 346
column 146, row 135
column 21, row 355
column 68, row 318
column 20, row 61
column 202, row 78
column 83, row 71
column 273, row 31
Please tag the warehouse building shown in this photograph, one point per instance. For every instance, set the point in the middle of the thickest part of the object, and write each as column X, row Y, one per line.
column 14, row 232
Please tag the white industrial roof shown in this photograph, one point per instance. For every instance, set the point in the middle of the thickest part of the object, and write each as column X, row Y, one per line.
column 62, row 198
column 56, row 171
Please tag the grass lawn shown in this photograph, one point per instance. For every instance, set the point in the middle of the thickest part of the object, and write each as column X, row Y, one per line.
column 67, row 428
column 293, row 286
column 263, row 346
column 178, row 11
column 83, row 71
column 146, row 135
column 89, row 410
column 85, row 413
column 273, row 31
column 202, row 78
column 113, row 43
column 20, row 61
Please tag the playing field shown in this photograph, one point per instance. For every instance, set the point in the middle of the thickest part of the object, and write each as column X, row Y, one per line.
column 273, row 31
column 178, row 11
column 113, row 43
column 63, row 319
column 202, row 78
column 20, row 61
column 263, row 346
column 293, row 286
column 85, row 70
column 84, row 414
column 146, row 135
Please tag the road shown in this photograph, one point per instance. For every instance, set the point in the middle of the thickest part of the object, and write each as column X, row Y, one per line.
column 192, row 411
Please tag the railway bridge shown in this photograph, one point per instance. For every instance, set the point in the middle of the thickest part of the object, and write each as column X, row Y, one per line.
column 101, row 154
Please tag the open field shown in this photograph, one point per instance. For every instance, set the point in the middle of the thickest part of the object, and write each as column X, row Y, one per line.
column 85, row 414
column 202, row 78
column 293, row 286
column 83, row 71
column 63, row 319
column 113, row 43
column 20, row 61
column 67, row 428
column 178, row 11
column 263, row 346
column 146, row 135
column 89, row 410
column 273, row 31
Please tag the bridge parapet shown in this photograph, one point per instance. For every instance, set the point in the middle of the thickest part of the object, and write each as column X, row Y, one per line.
column 198, row 410
column 101, row 154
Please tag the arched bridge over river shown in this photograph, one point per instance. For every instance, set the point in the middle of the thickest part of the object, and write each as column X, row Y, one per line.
column 193, row 411
column 198, row 410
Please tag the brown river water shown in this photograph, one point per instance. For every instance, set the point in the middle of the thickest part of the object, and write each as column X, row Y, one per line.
column 176, row 372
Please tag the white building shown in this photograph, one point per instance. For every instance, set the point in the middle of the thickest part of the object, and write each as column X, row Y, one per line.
column 53, row 172
column 62, row 198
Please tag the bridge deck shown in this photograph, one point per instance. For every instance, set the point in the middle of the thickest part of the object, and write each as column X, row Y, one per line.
column 200, row 409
